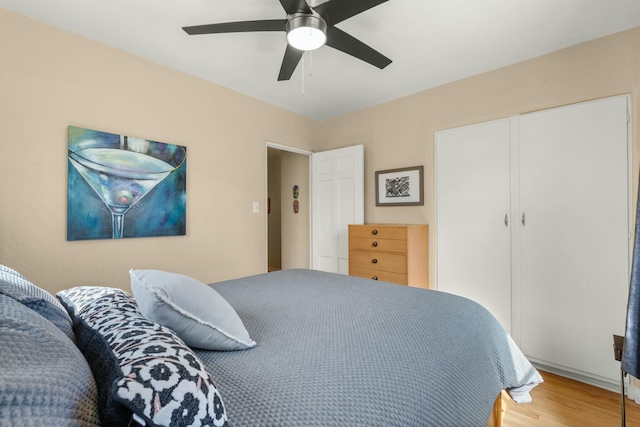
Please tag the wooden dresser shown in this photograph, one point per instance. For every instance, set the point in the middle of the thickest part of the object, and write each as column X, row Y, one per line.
column 397, row 253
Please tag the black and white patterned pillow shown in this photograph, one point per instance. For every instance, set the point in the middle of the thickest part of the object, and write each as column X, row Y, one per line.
column 144, row 371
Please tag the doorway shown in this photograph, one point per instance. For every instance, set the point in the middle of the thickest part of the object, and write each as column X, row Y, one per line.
column 288, row 208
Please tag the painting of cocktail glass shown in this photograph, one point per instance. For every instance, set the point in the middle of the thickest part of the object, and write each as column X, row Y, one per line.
column 124, row 187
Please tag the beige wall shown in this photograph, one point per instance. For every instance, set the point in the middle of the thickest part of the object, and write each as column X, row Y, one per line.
column 50, row 79
column 401, row 133
column 295, row 227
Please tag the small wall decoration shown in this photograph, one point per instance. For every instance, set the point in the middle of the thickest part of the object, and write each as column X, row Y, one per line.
column 296, row 202
column 120, row 187
column 400, row 187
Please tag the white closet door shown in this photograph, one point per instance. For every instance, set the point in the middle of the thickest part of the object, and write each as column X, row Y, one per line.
column 574, row 242
column 473, row 215
column 338, row 200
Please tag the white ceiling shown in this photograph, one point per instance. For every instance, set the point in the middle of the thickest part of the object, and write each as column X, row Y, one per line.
column 431, row 42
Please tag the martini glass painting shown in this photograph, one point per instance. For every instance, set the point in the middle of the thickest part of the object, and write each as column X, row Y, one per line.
column 123, row 170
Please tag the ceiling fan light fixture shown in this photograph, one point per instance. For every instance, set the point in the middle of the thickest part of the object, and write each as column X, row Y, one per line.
column 306, row 32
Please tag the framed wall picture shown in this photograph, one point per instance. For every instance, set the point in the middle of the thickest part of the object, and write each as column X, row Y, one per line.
column 124, row 187
column 400, row 187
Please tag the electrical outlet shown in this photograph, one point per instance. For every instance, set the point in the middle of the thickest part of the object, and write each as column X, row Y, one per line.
column 256, row 207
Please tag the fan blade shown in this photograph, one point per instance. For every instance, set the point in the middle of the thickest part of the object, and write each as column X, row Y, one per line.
column 295, row 6
column 238, row 27
column 348, row 44
column 335, row 11
column 292, row 57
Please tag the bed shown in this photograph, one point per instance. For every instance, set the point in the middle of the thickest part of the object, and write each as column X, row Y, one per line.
column 324, row 350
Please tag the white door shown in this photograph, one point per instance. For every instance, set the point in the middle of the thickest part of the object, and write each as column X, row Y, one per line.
column 574, row 259
column 473, row 215
column 338, row 200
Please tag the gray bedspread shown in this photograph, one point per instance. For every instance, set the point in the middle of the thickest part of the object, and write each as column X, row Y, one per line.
column 44, row 379
column 336, row 350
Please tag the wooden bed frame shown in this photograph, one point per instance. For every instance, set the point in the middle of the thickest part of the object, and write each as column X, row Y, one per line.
column 497, row 414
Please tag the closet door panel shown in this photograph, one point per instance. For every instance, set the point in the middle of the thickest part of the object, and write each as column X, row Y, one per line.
column 472, row 200
column 574, row 259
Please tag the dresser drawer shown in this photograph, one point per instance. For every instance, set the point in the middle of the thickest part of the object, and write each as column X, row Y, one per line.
column 376, row 244
column 385, row 276
column 378, row 231
column 395, row 253
column 378, row 261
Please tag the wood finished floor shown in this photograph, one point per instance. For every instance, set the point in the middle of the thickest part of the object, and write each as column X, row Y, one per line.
column 563, row 402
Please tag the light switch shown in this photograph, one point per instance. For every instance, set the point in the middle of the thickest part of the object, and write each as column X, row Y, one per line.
column 256, row 207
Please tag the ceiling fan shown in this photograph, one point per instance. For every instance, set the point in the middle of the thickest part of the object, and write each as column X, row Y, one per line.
column 308, row 28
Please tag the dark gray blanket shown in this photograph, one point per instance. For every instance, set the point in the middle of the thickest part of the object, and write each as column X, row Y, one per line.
column 336, row 350
column 44, row 379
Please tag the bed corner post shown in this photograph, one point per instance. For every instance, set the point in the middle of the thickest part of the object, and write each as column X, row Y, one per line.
column 497, row 413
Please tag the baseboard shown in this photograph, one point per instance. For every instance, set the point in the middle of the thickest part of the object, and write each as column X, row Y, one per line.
column 605, row 384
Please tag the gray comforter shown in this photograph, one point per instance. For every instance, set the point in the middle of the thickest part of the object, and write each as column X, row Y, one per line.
column 336, row 350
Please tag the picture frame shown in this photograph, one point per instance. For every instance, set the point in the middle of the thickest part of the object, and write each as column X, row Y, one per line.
column 400, row 187
column 121, row 186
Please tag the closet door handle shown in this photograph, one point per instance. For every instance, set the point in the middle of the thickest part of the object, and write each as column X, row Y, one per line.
column 524, row 219
column 506, row 220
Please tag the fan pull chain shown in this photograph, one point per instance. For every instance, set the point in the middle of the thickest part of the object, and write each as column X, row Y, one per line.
column 310, row 68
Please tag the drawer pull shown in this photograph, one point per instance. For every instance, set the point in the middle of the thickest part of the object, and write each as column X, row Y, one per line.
column 374, row 232
column 374, row 244
column 375, row 277
column 375, row 260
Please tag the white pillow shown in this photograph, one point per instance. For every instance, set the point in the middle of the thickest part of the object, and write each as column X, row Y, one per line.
column 200, row 316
